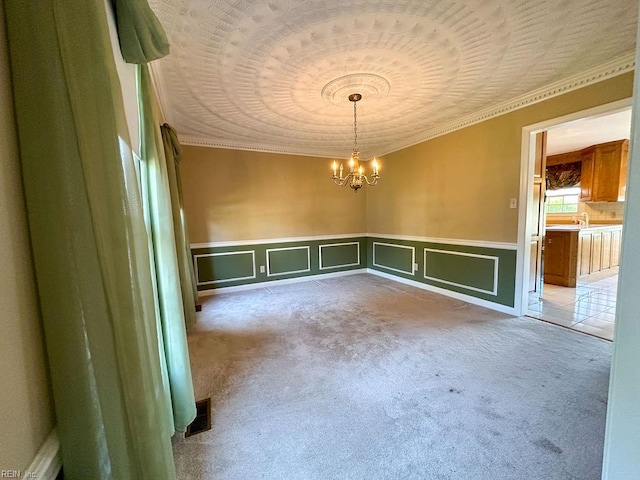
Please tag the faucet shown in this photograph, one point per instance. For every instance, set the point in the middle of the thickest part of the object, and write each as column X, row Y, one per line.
column 585, row 221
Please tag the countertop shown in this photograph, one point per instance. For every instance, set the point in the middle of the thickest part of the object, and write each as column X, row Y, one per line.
column 571, row 227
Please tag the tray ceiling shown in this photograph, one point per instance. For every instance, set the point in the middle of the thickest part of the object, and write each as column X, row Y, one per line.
column 275, row 75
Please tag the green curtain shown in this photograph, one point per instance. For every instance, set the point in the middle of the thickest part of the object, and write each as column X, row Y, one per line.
column 142, row 38
column 173, row 153
column 89, row 243
column 157, row 203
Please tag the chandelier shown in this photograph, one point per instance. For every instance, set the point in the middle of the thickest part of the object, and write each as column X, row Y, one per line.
column 356, row 177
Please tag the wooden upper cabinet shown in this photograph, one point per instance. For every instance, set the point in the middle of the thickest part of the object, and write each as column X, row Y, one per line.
column 586, row 174
column 603, row 176
column 562, row 158
column 604, row 172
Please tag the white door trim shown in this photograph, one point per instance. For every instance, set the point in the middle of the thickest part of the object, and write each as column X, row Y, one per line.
column 527, row 161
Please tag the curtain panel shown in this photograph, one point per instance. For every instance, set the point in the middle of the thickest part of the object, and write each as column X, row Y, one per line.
column 172, row 153
column 142, row 40
column 157, row 202
column 89, row 242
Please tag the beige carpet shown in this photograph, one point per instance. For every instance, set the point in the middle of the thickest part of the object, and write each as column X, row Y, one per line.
column 360, row 377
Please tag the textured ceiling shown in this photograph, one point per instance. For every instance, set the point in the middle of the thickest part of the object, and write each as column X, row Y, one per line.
column 274, row 75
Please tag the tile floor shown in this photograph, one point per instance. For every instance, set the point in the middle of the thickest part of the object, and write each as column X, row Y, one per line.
column 588, row 308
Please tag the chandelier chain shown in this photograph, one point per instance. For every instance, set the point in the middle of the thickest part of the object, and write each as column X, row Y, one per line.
column 355, row 127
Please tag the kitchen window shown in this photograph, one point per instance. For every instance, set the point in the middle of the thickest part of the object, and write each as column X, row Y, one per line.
column 564, row 200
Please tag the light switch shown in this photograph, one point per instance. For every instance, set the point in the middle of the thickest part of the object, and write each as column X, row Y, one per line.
column 415, row 267
column 513, row 203
column 261, row 268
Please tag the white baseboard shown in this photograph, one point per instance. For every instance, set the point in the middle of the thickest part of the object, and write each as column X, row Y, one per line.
column 442, row 291
column 48, row 461
column 448, row 293
column 253, row 286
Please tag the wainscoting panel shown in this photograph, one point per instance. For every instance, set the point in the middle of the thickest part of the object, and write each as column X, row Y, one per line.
column 336, row 255
column 483, row 272
column 212, row 268
column 235, row 264
column 471, row 271
column 394, row 257
column 288, row 260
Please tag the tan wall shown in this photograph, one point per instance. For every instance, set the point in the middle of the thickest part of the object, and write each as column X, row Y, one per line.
column 26, row 410
column 459, row 185
column 239, row 195
column 454, row 186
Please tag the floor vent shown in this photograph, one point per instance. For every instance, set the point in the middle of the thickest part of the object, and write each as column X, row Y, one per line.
column 202, row 422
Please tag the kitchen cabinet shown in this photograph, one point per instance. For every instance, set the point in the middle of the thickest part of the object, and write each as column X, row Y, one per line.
column 599, row 249
column 603, row 176
column 584, row 254
column 605, row 255
column 616, row 243
column 571, row 252
column 586, row 175
column 561, row 256
column 596, row 252
column 603, row 172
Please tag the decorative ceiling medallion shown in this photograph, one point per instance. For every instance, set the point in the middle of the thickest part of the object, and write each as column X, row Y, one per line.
column 371, row 86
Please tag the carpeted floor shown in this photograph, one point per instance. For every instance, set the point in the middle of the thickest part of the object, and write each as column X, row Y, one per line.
column 360, row 377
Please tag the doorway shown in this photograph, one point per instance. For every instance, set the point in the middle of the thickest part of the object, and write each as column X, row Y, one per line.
column 576, row 290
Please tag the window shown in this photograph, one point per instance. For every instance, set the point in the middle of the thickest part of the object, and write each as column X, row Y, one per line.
column 564, row 200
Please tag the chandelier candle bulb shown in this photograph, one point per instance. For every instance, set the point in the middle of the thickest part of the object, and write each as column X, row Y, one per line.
column 335, row 168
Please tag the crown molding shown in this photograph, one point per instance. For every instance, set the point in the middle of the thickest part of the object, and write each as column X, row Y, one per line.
column 206, row 142
column 600, row 73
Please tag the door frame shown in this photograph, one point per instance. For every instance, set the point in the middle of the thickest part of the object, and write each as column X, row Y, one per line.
column 525, row 196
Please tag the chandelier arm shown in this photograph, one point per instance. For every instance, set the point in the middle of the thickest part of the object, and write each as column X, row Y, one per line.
column 341, row 182
column 372, row 182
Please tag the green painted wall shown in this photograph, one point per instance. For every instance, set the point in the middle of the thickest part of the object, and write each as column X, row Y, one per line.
column 473, row 271
column 485, row 273
column 477, row 272
column 230, row 266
